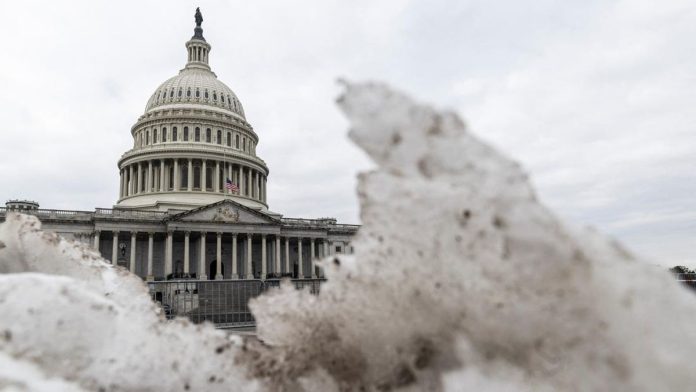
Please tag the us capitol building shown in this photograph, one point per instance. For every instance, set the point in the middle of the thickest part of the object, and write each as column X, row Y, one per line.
column 193, row 193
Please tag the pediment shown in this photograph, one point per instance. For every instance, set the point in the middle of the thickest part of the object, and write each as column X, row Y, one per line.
column 225, row 211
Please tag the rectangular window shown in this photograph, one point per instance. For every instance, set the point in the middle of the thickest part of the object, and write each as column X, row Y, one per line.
column 207, row 135
column 198, row 135
column 174, row 135
column 338, row 249
column 185, row 134
column 236, row 141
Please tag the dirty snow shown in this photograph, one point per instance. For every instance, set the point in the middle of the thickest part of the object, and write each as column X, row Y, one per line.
column 461, row 280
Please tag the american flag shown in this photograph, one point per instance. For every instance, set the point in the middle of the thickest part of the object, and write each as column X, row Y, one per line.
column 231, row 187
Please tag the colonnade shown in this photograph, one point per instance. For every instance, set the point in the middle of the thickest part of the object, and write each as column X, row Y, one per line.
column 163, row 175
column 275, row 255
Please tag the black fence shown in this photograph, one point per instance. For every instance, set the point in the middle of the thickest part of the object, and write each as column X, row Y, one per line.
column 222, row 302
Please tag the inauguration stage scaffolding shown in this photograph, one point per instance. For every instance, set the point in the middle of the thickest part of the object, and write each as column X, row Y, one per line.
column 224, row 303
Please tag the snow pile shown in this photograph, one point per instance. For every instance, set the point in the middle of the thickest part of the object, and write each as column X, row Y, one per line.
column 95, row 326
column 461, row 281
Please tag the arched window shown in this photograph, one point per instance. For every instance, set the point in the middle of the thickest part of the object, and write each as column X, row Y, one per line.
column 188, row 93
column 147, row 137
column 236, row 141
column 229, row 101
column 243, row 144
column 214, row 96
column 198, row 134
column 154, row 136
column 206, row 93
column 208, row 135
column 185, row 134
column 229, row 139
column 219, row 137
column 164, row 135
column 171, row 94
column 198, row 93
column 222, row 98
column 180, row 92
column 174, row 134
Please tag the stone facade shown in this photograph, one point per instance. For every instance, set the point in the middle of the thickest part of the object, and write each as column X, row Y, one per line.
column 192, row 197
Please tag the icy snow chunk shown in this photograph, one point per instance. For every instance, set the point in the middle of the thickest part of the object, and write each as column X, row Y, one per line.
column 94, row 326
column 462, row 280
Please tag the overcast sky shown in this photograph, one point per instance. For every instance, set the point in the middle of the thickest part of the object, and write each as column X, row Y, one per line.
column 595, row 98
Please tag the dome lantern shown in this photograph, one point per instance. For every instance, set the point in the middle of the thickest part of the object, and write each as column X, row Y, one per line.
column 198, row 49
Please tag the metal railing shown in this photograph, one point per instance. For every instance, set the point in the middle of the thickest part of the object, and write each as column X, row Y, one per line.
column 225, row 303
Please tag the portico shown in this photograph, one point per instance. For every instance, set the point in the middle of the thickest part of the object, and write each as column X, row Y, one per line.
column 224, row 240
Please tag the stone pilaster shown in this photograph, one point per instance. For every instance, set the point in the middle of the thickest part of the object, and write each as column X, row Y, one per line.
column 114, row 248
column 201, row 261
column 218, row 260
column 168, row 253
column 264, row 264
column 249, row 270
column 187, row 262
column 235, row 273
column 150, row 245
column 131, row 262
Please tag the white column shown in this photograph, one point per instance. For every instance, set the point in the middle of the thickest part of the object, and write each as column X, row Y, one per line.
column 120, row 185
column 204, row 182
column 239, row 181
column 130, row 180
column 187, row 262
column 149, row 176
column 248, row 185
column 114, row 248
column 139, row 178
column 132, row 251
column 168, row 254
column 218, row 255
column 300, row 267
column 263, row 257
column 287, row 255
column 217, row 177
column 249, row 272
column 161, row 176
column 190, row 175
column 326, row 247
column 277, row 255
column 235, row 273
column 150, row 244
column 312, row 257
column 201, row 261
column 175, row 186
column 96, row 240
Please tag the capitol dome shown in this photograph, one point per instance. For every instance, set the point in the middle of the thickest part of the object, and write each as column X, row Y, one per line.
column 192, row 146
column 195, row 86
